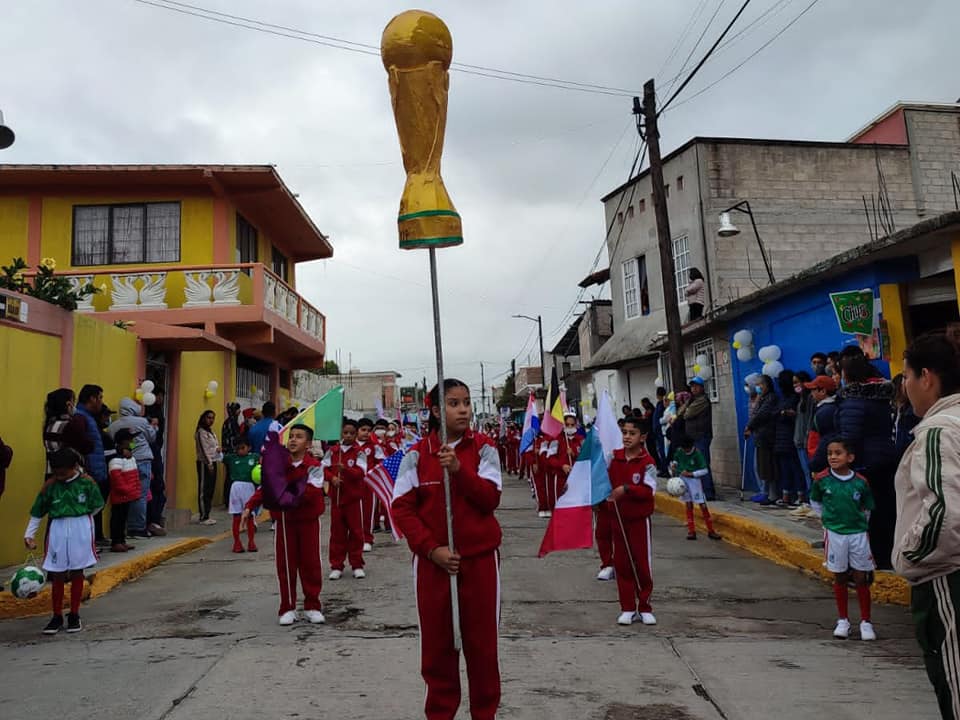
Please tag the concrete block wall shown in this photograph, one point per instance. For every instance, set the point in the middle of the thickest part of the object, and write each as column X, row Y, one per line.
column 934, row 137
column 807, row 200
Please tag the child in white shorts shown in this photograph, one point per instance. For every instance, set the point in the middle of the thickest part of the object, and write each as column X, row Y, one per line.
column 846, row 503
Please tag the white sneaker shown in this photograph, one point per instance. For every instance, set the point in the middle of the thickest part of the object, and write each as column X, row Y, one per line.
column 606, row 573
column 866, row 631
column 626, row 618
column 842, row 630
column 273, row 526
column 208, row 521
column 336, row 574
column 359, row 574
column 315, row 616
column 367, row 547
column 542, row 514
column 548, row 513
column 648, row 619
column 288, row 618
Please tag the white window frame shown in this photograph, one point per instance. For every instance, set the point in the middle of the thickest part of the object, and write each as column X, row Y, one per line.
column 705, row 347
column 631, row 288
column 681, row 264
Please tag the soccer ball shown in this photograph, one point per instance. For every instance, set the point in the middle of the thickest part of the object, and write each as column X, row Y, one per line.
column 256, row 475
column 27, row 582
column 676, row 486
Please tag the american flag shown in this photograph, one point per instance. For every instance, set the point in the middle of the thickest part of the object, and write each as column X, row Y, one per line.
column 381, row 480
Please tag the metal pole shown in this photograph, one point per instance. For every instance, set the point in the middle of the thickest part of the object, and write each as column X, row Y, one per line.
column 543, row 365
column 483, row 391
column 763, row 250
column 442, row 401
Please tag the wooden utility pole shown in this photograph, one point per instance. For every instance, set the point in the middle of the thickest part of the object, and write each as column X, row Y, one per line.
column 668, row 276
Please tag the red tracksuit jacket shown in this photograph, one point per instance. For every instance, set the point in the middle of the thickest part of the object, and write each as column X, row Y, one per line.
column 419, row 504
column 632, row 474
column 355, row 466
column 567, row 451
column 312, row 505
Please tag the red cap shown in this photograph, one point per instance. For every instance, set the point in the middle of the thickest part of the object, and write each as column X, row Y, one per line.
column 823, row 382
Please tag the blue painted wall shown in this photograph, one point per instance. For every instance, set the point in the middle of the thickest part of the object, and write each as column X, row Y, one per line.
column 802, row 324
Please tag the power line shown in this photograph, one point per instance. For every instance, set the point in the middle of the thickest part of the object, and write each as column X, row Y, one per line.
column 697, row 44
column 749, row 57
column 683, row 36
column 330, row 41
column 704, row 59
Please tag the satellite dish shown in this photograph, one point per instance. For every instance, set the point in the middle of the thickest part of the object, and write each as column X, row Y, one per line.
column 6, row 135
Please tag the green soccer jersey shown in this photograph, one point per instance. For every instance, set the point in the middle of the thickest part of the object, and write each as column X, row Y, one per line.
column 74, row 498
column 241, row 467
column 844, row 501
column 689, row 462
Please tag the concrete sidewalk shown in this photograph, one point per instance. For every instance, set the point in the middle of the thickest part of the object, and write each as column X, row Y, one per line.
column 773, row 534
column 114, row 569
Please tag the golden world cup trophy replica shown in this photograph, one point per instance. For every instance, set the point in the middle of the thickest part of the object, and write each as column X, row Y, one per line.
column 416, row 49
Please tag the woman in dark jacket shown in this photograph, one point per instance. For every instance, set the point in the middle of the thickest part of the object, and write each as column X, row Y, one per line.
column 61, row 427
column 789, row 473
column 763, row 428
column 863, row 418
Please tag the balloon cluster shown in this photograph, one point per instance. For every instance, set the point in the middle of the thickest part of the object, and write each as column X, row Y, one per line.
column 770, row 356
column 701, row 367
column 144, row 393
column 743, row 344
column 211, row 390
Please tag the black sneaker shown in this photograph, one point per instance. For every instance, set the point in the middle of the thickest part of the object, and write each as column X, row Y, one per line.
column 73, row 623
column 54, row 626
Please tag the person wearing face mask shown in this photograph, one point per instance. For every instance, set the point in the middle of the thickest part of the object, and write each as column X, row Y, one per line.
column 62, row 426
column 762, row 428
column 562, row 454
column 793, row 486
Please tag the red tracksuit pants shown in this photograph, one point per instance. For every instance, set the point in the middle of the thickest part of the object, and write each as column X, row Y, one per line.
column 346, row 535
column 603, row 532
column 297, row 550
column 478, row 585
column 634, row 580
column 367, row 513
column 545, row 482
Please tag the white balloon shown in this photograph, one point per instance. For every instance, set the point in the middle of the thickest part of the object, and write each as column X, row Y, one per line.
column 701, row 360
column 744, row 353
column 658, row 382
column 773, row 368
column 744, row 337
column 147, row 386
column 769, row 353
column 213, row 385
column 149, row 399
column 706, row 373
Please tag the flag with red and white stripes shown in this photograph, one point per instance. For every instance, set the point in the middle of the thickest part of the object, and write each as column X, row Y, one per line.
column 381, row 480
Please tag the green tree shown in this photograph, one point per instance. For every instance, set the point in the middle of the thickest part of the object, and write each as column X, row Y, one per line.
column 508, row 396
column 330, row 367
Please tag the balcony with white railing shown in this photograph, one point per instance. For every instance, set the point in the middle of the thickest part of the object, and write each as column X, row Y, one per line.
column 230, row 300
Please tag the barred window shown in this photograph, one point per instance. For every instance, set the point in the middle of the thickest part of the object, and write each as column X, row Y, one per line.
column 128, row 233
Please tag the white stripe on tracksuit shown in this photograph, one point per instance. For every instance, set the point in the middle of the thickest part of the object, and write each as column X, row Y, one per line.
column 950, row 651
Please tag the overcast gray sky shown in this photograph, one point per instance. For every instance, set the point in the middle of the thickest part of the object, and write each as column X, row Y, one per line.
column 104, row 81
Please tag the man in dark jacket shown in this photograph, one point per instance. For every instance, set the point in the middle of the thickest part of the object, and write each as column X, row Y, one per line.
column 658, row 411
column 89, row 403
column 822, row 390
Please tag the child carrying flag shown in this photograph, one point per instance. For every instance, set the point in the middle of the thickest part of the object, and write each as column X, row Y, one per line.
column 344, row 466
column 419, row 511
column 690, row 466
column 633, row 476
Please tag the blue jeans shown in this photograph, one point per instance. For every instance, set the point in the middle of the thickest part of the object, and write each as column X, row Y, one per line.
column 661, row 452
column 137, row 520
column 703, row 445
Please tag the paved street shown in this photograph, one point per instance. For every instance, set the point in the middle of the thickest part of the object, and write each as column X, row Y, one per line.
column 738, row 638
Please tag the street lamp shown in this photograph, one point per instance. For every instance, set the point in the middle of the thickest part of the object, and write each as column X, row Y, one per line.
column 539, row 322
column 6, row 135
column 728, row 229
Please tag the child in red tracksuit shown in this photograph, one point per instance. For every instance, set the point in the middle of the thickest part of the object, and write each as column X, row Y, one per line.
column 633, row 476
column 562, row 454
column 419, row 511
column 541, row 477
column 297, row 532
column 344, row 467
column 369, row 443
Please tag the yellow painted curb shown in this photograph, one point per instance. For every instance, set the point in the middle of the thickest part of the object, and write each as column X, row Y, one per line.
column 781, row 547
column 99, row 583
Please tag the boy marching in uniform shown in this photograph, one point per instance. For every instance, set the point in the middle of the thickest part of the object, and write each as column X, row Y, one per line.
column 369, row 445
column 633, row 476
column 344, row 467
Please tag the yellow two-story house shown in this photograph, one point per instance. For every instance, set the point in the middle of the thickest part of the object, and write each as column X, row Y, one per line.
column 198, row 260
